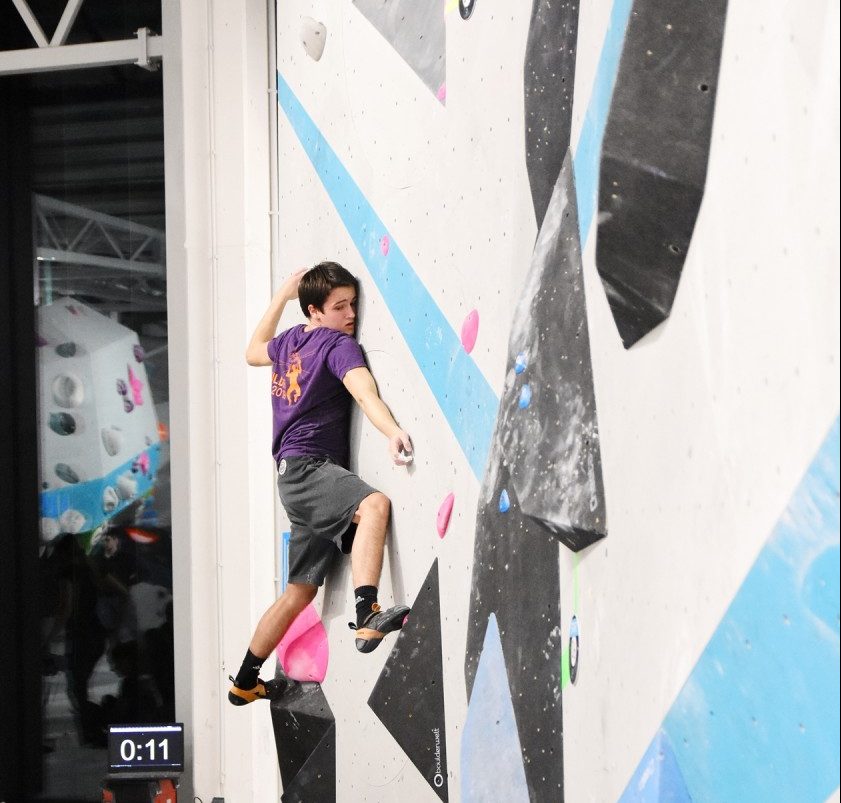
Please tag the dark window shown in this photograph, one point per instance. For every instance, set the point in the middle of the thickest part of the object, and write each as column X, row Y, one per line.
column 90, row 574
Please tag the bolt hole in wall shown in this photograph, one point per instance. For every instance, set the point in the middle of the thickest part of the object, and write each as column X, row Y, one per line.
column 98, row 243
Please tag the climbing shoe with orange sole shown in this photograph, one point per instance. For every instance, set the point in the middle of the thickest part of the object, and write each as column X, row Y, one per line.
column 264, row 690
column 378, row 624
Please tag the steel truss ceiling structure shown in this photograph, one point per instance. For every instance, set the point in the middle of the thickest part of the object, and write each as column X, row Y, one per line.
column 100, row 255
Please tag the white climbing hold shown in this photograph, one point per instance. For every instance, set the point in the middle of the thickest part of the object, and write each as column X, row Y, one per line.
column 110, row 500
column 72, row 521
column 126, row 486
column 49, row 529
column 112, row 440
column 68, row 391
column 313, row 37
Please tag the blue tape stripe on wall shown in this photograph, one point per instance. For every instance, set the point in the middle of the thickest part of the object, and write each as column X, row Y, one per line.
column 467, row 401
column 588, row 152
column 658, row 778
column 758, row 718
column 464, row 395
column 284, row 560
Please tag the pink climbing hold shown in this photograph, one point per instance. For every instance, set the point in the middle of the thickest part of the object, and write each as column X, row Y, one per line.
column 444, row 512
column 441, row 94
column 304, row 651
column 469, row 331
column 142, row 463
column 136, row 386
column 385, row 244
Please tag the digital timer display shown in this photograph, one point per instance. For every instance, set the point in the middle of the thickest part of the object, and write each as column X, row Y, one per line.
column 145, row 748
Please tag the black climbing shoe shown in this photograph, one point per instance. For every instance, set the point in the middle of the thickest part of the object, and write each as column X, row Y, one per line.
column 264, row 690
column 376, row 625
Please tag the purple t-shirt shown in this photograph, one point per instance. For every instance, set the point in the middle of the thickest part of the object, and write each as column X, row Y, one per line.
column 311, row 406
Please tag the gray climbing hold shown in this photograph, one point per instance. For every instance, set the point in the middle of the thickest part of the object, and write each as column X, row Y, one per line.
column 62, row 423
column 66, row 473
column 466, row 8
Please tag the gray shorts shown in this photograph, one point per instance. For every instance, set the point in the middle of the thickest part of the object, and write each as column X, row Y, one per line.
column 320, row 499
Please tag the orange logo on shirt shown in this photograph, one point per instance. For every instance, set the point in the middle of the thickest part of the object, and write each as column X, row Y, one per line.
column 287, row 387
column 293, row 392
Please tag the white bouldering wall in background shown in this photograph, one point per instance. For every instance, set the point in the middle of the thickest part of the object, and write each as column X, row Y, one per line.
column 98, row 428
column 619, row 367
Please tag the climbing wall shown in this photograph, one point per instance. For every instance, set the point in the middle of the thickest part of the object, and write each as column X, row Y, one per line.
column 598, row 249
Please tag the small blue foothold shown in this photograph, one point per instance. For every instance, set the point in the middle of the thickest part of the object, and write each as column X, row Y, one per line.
column 504, row 501
column 525, row 397
column 520, row 363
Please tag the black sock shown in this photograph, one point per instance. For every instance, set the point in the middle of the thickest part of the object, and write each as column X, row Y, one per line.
column 366, row 596
column 248, row 672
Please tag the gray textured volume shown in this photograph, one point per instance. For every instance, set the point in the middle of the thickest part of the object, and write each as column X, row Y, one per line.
column 549, row 77
column 654, row 156
column 543, row 485
column 415, row 29
column 547, row 425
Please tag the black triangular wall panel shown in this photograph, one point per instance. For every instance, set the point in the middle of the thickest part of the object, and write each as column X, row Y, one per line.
column 516, row 576
column 654, row 156
column 409, row 695
column 302, row 718
column 315, row 782
column 549, row 77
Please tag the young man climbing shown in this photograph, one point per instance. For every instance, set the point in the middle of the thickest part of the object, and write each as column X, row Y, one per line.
column 317, row 369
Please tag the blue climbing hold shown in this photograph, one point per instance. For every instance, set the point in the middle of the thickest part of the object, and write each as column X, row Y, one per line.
column 521, row 363
column 525, row 397
column 504, row 501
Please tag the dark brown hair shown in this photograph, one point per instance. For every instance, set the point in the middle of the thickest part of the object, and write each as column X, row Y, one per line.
column 318, row 282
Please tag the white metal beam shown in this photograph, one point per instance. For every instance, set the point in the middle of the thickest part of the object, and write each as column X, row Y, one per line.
column 54, row 205
column 145, row 51
column 66, row 22
column 54, row 256
column 29, row 20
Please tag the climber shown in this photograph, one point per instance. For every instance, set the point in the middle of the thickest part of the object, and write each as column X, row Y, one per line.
column 317, row 369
